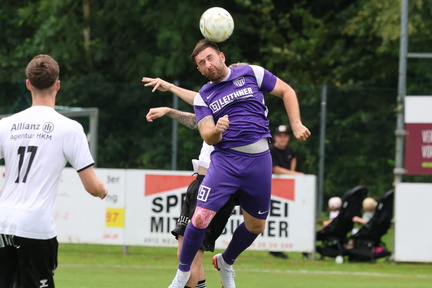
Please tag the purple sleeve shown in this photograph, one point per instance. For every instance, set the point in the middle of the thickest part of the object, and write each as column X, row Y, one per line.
column 265, row 79
column 201, row 109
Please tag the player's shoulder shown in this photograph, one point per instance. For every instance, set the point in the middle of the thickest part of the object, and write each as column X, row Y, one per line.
column 246, row 67
column 247, row 70
column 241, row 69
column 58, row 120
column 69, row 124
column 6, row 121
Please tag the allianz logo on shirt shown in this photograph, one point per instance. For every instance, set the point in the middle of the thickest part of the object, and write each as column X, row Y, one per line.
column 46, row 127
column 25, row 126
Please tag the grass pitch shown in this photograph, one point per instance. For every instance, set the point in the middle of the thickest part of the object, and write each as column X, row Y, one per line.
column 90, row 266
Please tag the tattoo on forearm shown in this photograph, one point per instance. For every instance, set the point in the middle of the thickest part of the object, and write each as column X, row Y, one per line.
column 205, row 119
column 185, row 118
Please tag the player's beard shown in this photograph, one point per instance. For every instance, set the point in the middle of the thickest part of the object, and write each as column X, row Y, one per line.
column 216, row 73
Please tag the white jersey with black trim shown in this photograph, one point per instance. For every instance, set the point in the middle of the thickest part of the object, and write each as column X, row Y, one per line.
column 204, row 157
column 36, row 144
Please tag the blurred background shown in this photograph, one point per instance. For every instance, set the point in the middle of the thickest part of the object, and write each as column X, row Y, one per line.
column 348, row 48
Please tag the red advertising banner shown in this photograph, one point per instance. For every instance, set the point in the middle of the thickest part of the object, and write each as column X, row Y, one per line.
column 418, row 149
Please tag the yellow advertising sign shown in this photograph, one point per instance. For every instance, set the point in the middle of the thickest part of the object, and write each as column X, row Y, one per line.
column 115, row 217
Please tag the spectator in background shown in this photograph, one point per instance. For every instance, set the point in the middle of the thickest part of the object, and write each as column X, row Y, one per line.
column 369, row 207
column 284, row 161
column 334, row 206
column 283, row 157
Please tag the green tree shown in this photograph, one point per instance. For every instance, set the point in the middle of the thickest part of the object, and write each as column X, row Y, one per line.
column 105, row 47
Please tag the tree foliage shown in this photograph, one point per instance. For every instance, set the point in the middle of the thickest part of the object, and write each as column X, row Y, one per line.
column 105, row 47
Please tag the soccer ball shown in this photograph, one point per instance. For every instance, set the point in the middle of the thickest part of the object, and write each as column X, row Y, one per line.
column 216, row 24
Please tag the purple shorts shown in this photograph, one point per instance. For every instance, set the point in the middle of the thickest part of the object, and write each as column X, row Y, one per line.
column 246, row 175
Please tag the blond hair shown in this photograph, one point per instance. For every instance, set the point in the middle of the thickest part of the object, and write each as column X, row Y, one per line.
column 369, row 204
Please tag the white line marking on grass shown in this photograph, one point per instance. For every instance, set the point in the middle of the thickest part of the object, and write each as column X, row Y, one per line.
column 274, row 271
column 368, row 274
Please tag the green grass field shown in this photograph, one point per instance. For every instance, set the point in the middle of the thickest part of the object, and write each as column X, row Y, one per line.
column 89, row 266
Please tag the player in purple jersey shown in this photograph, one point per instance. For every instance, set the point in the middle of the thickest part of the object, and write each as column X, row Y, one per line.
column 232, row 116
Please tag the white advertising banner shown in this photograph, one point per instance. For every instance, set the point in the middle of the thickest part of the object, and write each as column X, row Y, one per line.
column 154, row 211
column 143, row 205
column 417, row 109
column 82, row 218
column 413, row 212
column 291, row 222
column 153, row 206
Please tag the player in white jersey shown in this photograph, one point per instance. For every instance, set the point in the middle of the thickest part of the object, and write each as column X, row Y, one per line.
column 36, row 144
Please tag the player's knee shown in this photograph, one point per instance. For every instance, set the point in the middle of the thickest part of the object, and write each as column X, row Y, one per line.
column 257, row 230
column 202, row 217
column 256, row 227
column 199, row 222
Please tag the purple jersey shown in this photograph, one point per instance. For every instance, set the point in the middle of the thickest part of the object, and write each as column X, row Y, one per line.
column 240, row 96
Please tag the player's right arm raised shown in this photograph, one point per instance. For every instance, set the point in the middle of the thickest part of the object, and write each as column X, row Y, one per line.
column 162, row 85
